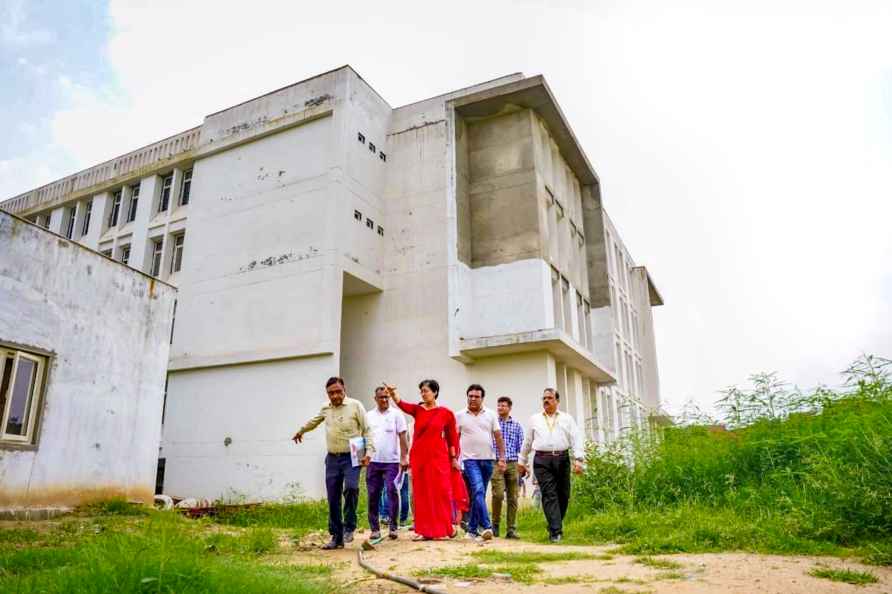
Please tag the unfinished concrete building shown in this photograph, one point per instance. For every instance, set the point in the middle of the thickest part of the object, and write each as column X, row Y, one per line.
column 317, row 231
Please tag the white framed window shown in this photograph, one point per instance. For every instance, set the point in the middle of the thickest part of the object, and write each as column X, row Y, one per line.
column 566, row 295
column 176, row 260
column 157, row 251
column 88, row 210
column 124, row 252
column 186, row 187
column 556, row 298
column 134, row 201
column 166, row 185
column 70, row 214
column 116, row 208
column 20, row 392
column 588, row 326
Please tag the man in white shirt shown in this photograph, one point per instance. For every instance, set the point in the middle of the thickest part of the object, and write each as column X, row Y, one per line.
column 388, row 429
column 477, row 428
column 554, row 437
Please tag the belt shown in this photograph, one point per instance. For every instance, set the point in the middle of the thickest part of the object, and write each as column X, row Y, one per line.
column 552, row 452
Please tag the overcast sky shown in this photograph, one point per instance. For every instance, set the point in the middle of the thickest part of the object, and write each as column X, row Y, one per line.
column 744, row 148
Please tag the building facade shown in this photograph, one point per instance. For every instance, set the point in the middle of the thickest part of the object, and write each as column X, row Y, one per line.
column 83, row 357
column 317, row 231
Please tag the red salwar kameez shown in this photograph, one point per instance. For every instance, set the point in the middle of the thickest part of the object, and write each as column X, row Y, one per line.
column 435, row 492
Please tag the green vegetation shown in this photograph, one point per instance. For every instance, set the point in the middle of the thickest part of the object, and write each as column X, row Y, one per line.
column 859, row 578
column 148, row 552
column 658, row 563
column 788, row 472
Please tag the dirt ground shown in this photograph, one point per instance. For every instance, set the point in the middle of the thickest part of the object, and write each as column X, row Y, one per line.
column 734, row 573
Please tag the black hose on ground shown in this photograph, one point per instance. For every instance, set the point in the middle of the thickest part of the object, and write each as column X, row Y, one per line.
column 396, row 578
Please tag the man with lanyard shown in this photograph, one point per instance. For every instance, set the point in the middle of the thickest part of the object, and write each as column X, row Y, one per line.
column 553, row 436
column 506, row 482
column 477, row 428
column 388, row 428
column 344, row 419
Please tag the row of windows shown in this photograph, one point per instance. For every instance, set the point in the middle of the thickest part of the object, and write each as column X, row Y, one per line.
column 20, row 390
column 357, row 216
column 156, row 254
column 70, row 214
column 564, row 301
column 163, row 198
column 360, row 137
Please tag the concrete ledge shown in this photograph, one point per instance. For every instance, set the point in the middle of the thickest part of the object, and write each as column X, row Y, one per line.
column 25, row 514
column 553, row 340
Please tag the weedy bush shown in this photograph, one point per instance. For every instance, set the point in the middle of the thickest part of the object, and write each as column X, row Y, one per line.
column 816, row 467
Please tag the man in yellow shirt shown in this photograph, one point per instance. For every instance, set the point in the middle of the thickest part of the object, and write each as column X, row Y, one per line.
column 344, row 419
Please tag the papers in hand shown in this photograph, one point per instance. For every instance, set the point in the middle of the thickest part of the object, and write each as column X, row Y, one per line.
column 399, row 479
column 357, row 450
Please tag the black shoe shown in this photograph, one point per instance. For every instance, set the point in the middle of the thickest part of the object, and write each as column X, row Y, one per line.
column 511, row 534
column 332, row 544
column 495, row 530
column 464, row 525
column 348, row 537
column 555, row 538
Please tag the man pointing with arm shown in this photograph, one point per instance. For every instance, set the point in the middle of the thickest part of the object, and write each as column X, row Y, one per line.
column 344, row 419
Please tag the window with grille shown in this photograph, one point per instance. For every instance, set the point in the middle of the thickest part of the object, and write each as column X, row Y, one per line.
column 186, row 188
column 134, row 202
column 20, row 393
column 166, row 185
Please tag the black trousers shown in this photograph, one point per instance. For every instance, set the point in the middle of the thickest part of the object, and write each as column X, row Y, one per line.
column 553, row 475
column 341, row 477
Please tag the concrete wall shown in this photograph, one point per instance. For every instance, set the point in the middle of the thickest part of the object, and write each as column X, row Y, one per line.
column 107, row 329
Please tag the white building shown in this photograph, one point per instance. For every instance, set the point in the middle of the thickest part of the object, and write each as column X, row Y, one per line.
column 83, row 356
column 317, row 231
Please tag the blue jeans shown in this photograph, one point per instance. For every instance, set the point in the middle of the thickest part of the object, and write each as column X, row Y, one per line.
column 384, row 507
column 478, row 473
column 341, row 478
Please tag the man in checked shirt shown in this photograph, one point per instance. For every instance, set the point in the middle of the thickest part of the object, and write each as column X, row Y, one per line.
column 506, row 482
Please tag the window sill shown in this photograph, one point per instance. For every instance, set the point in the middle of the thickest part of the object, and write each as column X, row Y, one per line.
column 14, row 445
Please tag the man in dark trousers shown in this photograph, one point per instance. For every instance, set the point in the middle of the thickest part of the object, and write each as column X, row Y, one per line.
column 554, row 438
column 344, row 419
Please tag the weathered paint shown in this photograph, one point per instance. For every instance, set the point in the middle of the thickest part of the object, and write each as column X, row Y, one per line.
column 107, row 328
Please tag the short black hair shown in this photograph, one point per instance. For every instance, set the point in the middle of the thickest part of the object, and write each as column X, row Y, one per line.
column 557, row 395
column 432, row 384
column 476, row 387
column 335, row 380
column 505, row 399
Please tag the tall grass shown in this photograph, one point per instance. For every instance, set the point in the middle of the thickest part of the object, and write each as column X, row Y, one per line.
column 786, row 471
column 158, row 552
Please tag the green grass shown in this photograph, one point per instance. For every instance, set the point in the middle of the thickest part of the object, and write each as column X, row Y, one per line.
column 524, row 573
column 154, row 552
column 848, row 576
column 658, row 563
column 793, row 473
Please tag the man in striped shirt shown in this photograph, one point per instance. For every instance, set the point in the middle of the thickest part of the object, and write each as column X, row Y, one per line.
column 506, row 483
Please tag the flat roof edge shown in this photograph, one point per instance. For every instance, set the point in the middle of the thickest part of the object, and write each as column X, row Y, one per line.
column 534, row 93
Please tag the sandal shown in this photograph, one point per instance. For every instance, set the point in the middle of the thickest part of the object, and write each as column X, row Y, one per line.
column 419, row 537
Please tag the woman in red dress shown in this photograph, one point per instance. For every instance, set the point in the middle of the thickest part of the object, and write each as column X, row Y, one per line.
column 434, row 460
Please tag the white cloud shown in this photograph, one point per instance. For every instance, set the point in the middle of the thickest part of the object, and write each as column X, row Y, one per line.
column 743, row 149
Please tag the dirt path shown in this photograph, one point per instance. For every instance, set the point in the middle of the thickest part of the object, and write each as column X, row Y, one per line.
column 735, row 573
